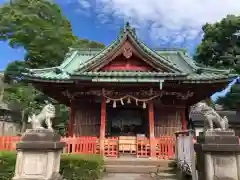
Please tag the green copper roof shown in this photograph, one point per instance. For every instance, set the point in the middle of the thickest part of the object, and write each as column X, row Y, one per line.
column 126, row 76
column 78, row 63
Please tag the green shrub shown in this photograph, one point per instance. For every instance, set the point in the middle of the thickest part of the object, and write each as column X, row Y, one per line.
column 7, row 165
column 73, row 167
column 81, row 167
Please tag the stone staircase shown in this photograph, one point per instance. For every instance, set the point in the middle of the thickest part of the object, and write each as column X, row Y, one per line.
column 162, row 169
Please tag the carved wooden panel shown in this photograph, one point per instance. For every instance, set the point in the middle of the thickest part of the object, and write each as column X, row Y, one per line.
column 127, row 51
column 167, row 121
column 87, row 119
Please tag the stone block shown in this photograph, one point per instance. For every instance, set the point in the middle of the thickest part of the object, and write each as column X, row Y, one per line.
column 38, row 156
column 218, row 156
column 219, row 133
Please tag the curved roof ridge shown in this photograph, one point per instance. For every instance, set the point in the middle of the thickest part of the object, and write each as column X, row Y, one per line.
column 80, row 61
column 69, row 59
column 145, row 46
column 188, row 60
column 91, row 60
column 123, row 35
column 154, row 53
column 167, row 49
column 43, row 69
column 86, row 49
column 215, row 70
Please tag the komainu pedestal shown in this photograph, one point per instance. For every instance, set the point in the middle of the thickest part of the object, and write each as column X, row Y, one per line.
column 218, row 155
column 38, row 156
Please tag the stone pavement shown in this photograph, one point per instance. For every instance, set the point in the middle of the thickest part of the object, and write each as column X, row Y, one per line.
column 126, row 176
column 135, row 176
column 126, row 168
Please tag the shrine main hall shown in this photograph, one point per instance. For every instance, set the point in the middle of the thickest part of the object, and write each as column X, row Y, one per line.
column 127, row 92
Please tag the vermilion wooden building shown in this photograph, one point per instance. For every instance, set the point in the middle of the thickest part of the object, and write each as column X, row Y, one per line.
column 128, row 93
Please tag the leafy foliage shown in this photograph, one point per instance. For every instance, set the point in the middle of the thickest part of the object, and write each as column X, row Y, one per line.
column 7, row 165
column 14, row 71
column 232, row 99
column 25, row 98
column 22, row 97
column 75, row 167
column 220, row 46
column 61, row 121
column 81, row 167
column 85, row 43
column 41, row 29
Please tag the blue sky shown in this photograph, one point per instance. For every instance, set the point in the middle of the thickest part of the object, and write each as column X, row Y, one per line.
column 159, row 23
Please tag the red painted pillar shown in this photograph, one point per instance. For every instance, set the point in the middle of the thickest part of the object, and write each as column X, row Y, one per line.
column 151, row 128
column 71, row 121
column 103, row 125
column 183, row 119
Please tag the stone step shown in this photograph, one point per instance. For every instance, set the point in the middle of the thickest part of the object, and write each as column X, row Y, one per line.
column 143, row 169
column 139, row 162
column 126, row 176
column 164, row 176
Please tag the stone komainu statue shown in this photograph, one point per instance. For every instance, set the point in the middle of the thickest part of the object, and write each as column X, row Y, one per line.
column 211, row 117
column 47, row 113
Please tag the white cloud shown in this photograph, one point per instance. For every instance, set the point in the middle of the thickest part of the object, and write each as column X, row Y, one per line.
column 165, row 19
column 173, row 13
column 84, row 3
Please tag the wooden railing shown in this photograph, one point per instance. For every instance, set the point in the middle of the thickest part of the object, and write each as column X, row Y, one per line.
column 81, row 145
column 165, row 147
column 143, row 147
column 111, row 147
column 162, row 147
column 8, row 143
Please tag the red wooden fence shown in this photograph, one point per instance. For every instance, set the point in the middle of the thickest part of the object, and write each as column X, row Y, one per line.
column 9, row 142
column 81, row 145
column 163, row 147
column 143, row 147
column 111, row 147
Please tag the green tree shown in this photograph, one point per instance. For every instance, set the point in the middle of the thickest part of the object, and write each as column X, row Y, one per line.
column 40, row 28
column 61, row 120
column 26, row 99
column 220, row 48
column 14, row 70
column 22, row 98
column 85, row 43
column 232, row 99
